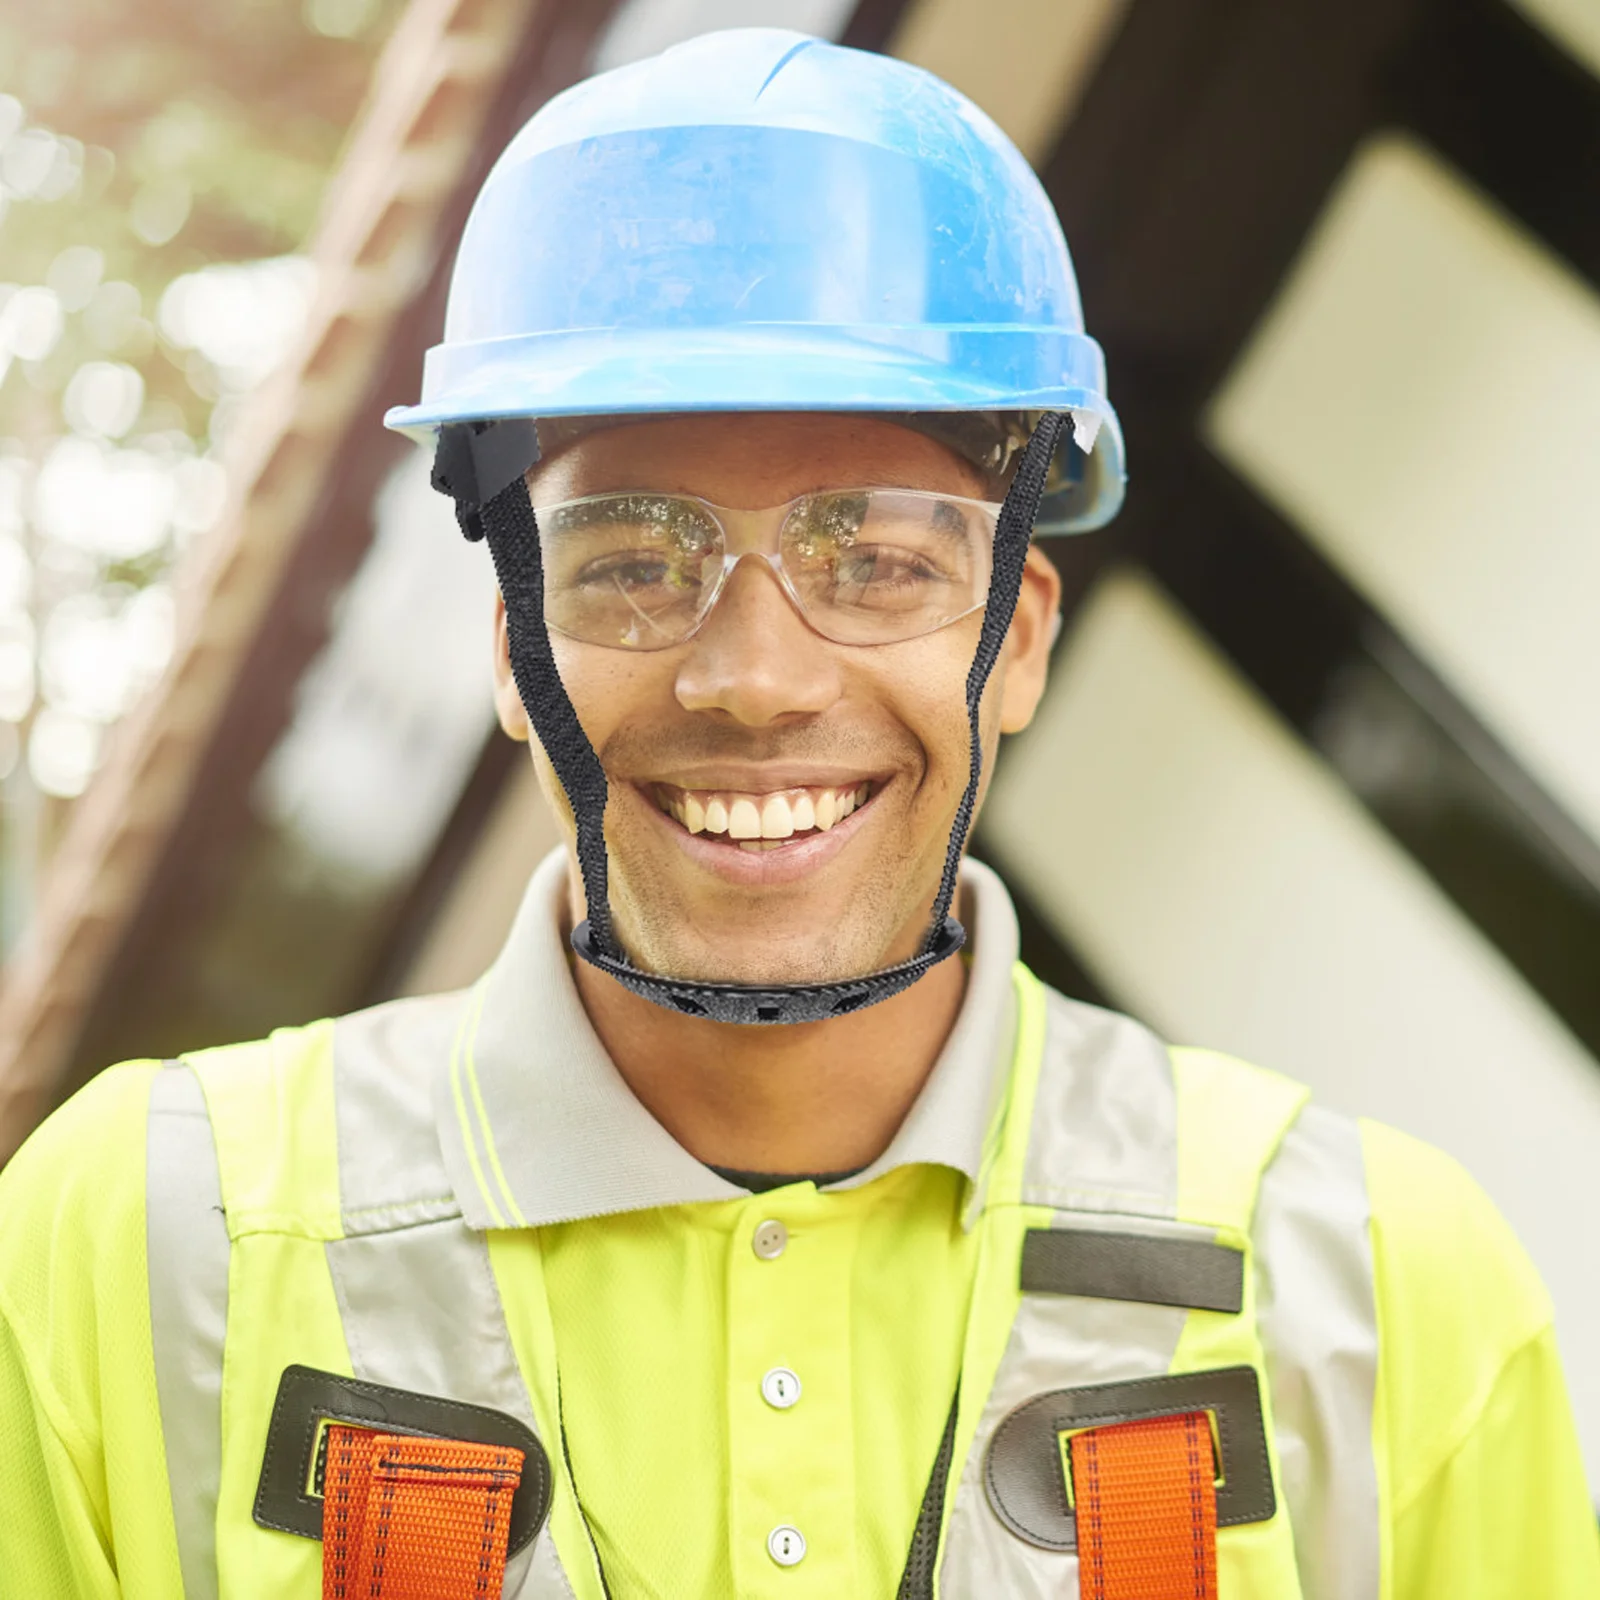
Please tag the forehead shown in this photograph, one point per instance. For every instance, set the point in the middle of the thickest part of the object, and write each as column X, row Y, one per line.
column 750, row 459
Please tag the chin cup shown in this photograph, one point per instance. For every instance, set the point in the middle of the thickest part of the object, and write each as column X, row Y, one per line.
column 785, row 1002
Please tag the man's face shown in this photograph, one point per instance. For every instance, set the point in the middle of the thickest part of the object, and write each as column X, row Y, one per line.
column 758, row 715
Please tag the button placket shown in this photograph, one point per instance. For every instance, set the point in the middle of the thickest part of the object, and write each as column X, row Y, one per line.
column 791, row 1478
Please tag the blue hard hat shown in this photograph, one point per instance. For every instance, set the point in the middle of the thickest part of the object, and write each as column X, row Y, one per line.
column 760, row 220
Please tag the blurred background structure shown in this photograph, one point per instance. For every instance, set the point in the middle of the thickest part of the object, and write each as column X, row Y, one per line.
column 1318, row 777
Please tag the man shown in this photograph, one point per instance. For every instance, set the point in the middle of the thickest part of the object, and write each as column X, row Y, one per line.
column 757, row 1226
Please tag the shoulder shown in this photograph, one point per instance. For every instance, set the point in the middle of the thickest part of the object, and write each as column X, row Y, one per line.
column 1457, row 1297
column 86, row 1161
column 1439, row 1242
column 72, row 1247
column 299, row 1116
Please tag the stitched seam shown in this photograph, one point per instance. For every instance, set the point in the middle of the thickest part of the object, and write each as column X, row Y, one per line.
column 387, row 1222
column 1469, row 1425
column 396, row 1205
column 52, row 1408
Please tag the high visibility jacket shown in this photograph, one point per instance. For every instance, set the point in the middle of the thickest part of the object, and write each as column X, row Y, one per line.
column 1144, row 1213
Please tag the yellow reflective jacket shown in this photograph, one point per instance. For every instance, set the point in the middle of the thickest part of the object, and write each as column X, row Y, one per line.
column 179, row 1234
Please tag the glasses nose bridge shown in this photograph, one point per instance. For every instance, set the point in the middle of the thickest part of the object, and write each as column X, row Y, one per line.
column 746, row 532
column 757, row 533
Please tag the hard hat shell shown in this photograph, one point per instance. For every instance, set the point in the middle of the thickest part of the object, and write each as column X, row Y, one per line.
column 760, row 220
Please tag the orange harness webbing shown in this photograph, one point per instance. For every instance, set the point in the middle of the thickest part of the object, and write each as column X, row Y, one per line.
column 1147, row 1510
column 407, row 1518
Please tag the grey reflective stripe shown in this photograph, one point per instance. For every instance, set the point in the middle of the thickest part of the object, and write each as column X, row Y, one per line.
column 1104, row 1139
column 417, row 1295
column 186, row 1241
column 1106, row 1265
column 1105, row 1119
column 1318, row 1326
column 391, row 1174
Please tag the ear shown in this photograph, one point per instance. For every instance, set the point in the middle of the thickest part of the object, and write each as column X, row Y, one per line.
column 1025, row 663
column 507, row 702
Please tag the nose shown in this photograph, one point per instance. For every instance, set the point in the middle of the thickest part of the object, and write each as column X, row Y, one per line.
column 754, row 658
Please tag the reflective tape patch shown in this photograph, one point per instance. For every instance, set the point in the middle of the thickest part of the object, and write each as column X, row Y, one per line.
column 1130, row 1266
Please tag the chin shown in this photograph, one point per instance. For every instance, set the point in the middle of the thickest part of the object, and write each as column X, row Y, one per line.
column 767, row 962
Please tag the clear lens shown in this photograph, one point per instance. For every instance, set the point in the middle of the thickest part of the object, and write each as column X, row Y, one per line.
column 866, row 566
column 873, row 566
column 634, row 571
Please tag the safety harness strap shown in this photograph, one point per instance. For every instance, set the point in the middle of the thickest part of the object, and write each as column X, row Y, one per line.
column 1146, row 1505
column 412, row 1518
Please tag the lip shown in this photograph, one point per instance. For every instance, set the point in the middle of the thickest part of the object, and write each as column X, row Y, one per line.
column 738, row 779
column 761, row 869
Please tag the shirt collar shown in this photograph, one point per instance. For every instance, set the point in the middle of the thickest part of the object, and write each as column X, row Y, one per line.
column 537, row 1125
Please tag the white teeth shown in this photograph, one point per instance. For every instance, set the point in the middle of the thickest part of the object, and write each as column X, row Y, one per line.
column 762, row 820
column 776, row 821
column 744, row 821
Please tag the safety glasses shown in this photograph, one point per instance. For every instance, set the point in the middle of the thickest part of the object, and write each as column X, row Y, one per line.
column 641, row 571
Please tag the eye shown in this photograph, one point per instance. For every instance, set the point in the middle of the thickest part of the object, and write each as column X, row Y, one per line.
column 635, row 570
column 878, row 574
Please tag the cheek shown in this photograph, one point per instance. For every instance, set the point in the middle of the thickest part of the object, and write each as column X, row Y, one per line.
column 924, row 688
column 608, row 687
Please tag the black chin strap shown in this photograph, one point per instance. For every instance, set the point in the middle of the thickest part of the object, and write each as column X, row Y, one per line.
column 482, row 467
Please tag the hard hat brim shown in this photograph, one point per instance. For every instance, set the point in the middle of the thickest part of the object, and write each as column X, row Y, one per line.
column 777, row 367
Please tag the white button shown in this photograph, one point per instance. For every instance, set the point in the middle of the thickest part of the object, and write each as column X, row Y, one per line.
column 780, row 1388
column 770, row 1239
column 786, row 1545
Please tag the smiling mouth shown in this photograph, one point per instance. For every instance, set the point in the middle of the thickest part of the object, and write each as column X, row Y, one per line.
column 757, row 822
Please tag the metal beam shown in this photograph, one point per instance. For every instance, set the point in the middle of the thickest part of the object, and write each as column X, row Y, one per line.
column 1200, row 156
column 1498, row 98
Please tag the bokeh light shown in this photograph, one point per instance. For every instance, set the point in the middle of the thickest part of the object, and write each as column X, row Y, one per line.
column 155, row 214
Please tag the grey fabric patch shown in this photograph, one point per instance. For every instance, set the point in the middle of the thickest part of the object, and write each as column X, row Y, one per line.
column 187, row 1247
column 1319, row 1330
column 1105, row 1120
column 1131, row 1266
